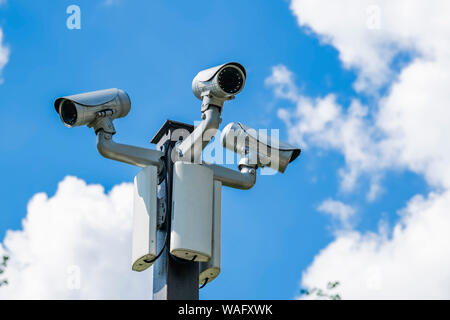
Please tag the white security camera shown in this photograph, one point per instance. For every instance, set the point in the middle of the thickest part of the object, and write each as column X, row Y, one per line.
column 84, row 109
column 97, row 110
column 216, row 85
column 259, row 148
column 213, row 86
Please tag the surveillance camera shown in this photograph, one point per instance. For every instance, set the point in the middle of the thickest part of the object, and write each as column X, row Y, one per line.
column 219, row 83
column 261, row 149
column 84, row 109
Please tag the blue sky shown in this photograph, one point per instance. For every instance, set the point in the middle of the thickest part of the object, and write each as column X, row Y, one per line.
column 152, row 50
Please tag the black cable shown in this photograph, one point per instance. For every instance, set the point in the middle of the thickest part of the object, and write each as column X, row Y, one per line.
column 160, row 253
column 169, row 174
column 204, row 284
column 169, row 195
column 168, row 155
column 166, row 182
column 167, row 158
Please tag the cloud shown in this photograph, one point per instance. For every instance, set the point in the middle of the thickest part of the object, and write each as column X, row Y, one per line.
column 339, row 211
column 322, row 122
column 412, row 263
column 414, row 119
column 407, row 128
column 4, row 53
column 75, row 245
column 369, row 35
column 111, row 2
column 282, row 80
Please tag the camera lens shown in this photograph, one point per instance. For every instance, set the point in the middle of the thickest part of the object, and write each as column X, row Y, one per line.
column 68, row 112
column 230, row 80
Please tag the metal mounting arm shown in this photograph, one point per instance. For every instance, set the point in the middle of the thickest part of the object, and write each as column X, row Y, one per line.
column 195, row 143
column 137, row 156
column 244, row 180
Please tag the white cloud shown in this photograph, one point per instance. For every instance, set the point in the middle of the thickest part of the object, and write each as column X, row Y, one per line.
column 413, row 263
column 410, row 125
column 369, row 39
column 4, row 54
column 282, row 79
column 407, row 129
column 339, row 211
column 324, row 123
column 415, row 120
column 79, row 231
column 111, row 2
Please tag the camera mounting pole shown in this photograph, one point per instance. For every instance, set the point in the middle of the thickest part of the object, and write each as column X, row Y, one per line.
column 173, row 279
column 190, row 149
column 179, row 266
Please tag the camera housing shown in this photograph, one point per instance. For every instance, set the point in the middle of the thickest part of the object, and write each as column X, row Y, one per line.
column 192, row 212
column 145, row 219
column 216, row 85
column 84, row 109
column 259, row 148
column 208, row 271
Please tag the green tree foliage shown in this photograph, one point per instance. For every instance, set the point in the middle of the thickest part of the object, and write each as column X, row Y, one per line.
column 327, row 293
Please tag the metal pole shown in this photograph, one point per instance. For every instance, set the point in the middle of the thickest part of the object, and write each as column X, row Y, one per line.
column 173, row 279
